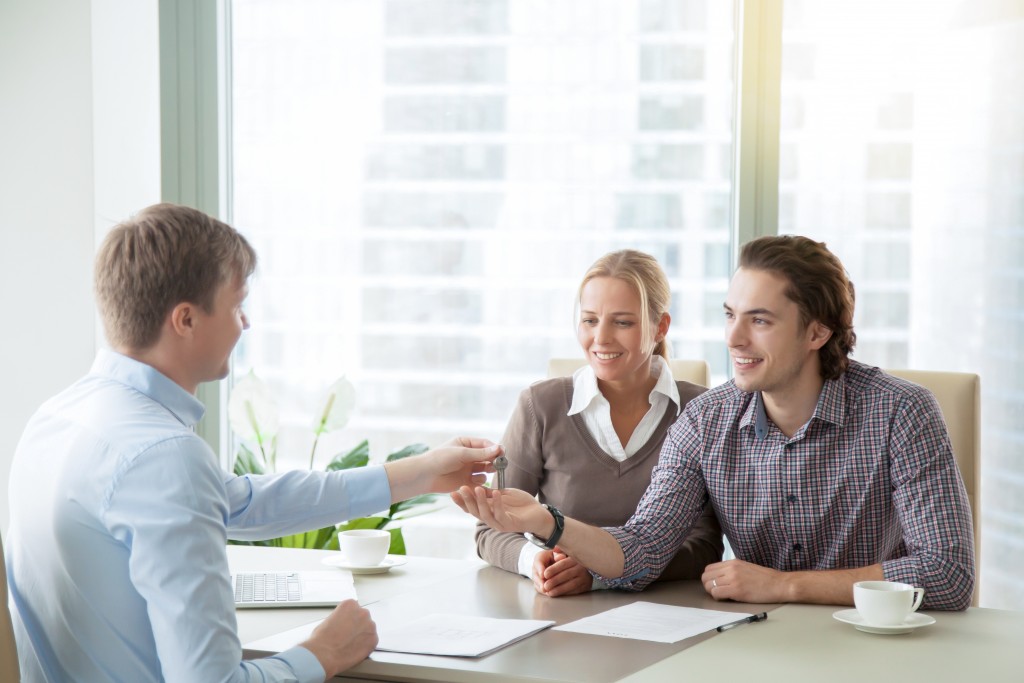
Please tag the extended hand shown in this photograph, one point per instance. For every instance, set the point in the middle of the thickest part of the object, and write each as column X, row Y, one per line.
column 345, row 638
column 505, row 510
column 463, row 461
column 743, row 582
column 555, row 574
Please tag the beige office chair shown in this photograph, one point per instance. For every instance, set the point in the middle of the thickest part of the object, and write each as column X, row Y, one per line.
column 9, row 672
column 959, row 397
column 696, row 371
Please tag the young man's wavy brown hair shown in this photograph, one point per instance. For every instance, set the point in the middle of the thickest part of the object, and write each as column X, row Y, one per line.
column 818, row 285
column 163, row 256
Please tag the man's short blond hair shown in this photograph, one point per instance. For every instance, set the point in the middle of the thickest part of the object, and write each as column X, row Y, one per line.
column 163, row 256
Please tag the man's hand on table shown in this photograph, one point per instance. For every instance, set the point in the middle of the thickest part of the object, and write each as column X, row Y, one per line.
column 343, row 639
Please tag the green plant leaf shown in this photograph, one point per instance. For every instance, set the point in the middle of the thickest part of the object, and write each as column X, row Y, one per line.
column 425, row 499
column 397, row 542
column 411, row 449
column 317, row 539
column 364, row 523
column 325, row 536
column 357, row 457
column 246, row 462
column 262, row 544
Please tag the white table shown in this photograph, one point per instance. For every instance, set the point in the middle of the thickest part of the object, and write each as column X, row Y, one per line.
column 796, row 643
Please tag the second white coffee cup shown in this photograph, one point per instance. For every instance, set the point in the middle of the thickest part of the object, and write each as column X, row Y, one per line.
column 886, row 603
column 364, row 547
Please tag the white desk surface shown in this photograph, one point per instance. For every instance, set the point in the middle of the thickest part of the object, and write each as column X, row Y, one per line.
column 796, row 643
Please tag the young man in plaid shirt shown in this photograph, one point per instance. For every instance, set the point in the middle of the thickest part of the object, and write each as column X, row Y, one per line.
column 823, row 471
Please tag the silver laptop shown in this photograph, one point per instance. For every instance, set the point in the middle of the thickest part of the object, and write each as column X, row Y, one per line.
column 292, row 588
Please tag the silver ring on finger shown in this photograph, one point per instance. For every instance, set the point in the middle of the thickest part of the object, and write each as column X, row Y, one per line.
column 714, row 583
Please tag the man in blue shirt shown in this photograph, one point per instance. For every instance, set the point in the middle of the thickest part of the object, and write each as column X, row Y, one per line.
column 119, row 512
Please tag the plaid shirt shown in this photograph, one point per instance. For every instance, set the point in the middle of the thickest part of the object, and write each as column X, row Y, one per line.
column 870, row 478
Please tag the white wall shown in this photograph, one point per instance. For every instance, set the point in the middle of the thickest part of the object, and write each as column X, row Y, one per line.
column 72, row 163
column 46, row 209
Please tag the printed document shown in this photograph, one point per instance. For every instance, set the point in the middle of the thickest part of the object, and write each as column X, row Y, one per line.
column 652, row 621
column 457, row 635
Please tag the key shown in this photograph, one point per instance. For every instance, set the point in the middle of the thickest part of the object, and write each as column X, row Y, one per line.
column 500, row 463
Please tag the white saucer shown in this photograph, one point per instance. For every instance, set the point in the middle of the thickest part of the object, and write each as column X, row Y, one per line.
column 385, row 566
column 913, row 620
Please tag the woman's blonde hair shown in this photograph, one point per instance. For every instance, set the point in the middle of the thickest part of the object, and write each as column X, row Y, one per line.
column 645, row 275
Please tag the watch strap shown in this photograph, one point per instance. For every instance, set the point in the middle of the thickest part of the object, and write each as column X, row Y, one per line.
column 551, row 542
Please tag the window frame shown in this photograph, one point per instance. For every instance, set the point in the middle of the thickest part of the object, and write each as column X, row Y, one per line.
column 195, row 73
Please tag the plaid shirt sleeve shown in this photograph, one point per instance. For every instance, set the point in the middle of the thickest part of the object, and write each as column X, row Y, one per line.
column 932, row 507
column 668, row 510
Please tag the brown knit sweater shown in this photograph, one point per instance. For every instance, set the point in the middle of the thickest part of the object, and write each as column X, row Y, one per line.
column 555, row 457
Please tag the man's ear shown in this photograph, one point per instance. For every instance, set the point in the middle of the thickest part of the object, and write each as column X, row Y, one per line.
column 818, row 335
column 182, row 319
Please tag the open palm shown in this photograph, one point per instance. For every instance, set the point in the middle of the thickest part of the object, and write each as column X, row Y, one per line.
column 506, row 510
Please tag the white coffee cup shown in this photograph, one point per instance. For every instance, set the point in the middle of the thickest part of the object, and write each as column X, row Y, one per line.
column 364, row 547
column 886, row 603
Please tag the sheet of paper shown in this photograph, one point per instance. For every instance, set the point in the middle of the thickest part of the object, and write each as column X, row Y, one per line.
column 652, row 621
column 457, row 635
column 279, row 642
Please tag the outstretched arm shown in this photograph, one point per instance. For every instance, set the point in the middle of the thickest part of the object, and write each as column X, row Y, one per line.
column 463, row 461
column 519, row 512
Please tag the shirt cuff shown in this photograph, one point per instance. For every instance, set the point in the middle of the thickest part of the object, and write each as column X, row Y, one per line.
column 635, row 576
column 526, row 558
column 303, row 664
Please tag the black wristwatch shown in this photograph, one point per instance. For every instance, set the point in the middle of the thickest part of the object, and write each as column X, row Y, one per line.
column 550, row 543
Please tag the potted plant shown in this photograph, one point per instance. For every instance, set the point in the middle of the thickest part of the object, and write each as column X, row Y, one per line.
column 253, row 415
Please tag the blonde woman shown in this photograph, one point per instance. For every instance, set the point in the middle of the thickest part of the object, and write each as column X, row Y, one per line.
column 586, row 445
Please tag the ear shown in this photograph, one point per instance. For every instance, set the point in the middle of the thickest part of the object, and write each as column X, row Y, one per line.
column 182, row 319
column 663, row 324
column 818, row 335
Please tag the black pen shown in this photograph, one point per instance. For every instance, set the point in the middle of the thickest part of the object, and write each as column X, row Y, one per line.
column 745, row 620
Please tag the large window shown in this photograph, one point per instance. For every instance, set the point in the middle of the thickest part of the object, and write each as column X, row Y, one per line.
column 427, row 180
column 902, row 147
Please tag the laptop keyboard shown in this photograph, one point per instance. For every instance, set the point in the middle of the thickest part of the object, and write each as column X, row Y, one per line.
column 266, row 587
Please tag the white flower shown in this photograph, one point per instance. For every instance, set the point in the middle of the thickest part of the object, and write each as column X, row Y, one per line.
column 252, row 411
column 341, row 399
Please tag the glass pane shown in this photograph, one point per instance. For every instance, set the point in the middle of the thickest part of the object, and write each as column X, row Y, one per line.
column 903, row 149
column 427, row 180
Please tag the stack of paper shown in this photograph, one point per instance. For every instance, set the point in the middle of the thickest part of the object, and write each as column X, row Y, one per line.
column 652, row 621
column 456, row 635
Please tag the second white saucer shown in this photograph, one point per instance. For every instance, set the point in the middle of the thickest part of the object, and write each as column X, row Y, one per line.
column 385, row 566
column 913, row 620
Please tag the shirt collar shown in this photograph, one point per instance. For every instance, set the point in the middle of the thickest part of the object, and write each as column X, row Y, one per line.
column 151, row 382
column 830, row 408
column 584, row 386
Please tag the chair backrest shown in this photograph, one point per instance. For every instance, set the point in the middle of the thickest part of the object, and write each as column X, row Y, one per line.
column 8, row 652
column 696, row 371
column 959, row 397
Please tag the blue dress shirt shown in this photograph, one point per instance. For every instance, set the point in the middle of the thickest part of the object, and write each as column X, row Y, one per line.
column 120, row 516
